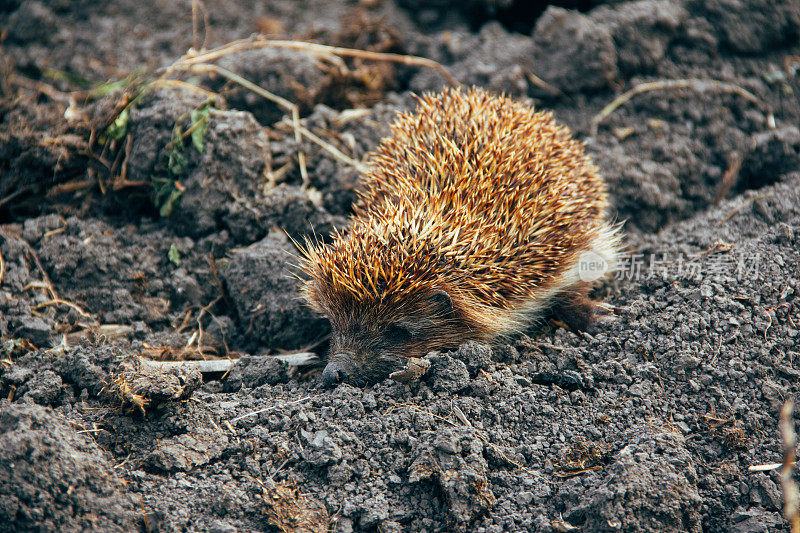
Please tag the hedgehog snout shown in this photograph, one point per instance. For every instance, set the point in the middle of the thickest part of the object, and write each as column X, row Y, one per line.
column 341, row 367
column 359, row 368
column 335, row 372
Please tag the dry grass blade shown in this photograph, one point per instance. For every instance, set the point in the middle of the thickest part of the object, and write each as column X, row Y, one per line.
column 18, row 192
column 198, row 6
column 791, row 497
column 59, row 301
column 70, row 186
column 692, row 83
column 267, row 409
column 161, row 82
column 2, row 268
column 540, row 83
column 43, row 88
column 765, row 467
column 335, row 152
column 746, row 202
column 730, row 177
column 47, row 283
column 127, row 396
column 313, row 48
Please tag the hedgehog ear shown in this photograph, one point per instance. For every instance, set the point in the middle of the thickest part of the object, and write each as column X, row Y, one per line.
column 441, row 303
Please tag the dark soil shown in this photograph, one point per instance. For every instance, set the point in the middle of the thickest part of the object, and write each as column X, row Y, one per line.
column 144, row 242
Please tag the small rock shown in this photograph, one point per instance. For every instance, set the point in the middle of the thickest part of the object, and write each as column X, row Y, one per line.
column 35, row 329
column 475, row 355
column 447, row 374
column 250, row 372
column 44, row 388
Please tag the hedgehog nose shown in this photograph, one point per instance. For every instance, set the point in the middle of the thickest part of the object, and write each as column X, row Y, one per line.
column 333, row 374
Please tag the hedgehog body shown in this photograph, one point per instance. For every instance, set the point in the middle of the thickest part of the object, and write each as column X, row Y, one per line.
column 475, row 216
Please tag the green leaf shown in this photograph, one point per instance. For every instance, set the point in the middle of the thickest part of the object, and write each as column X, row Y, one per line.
column 174, row 255
column 176, row 143
column 178, row 164
column 107, row 88
column 119, row 127
column 200, row 118
column 68, row 77
column 168, row 206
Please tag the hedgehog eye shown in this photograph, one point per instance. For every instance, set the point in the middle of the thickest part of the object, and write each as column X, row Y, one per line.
column 397, row 334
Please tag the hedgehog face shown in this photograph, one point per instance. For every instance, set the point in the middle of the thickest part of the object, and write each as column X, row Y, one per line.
column 372, row 341
column 364, row 351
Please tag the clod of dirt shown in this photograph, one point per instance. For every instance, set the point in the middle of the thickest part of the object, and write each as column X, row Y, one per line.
column 35, row 228
column 652, row 192
column 32, row 21
column 139, row 385
column 37, row 149
column 494, row 59
column 53, row 479
column 650, row 486
column 234, row 148
column 447, row 374
column 322, row 450
column 353, row 132
column 16, row 320
column 18, row 267
column 475, row 355
column 453, row 460
column 754, row 26
column 641, row 30
column 106, row 272
column 291, row 74
column 264, row 293
column 573, row 52
column 86, row 367
column 293, row 210
column 754, row 520
column 249, row 372
column 39, row 331
column 225, row 184
column 306, row 79
column 773, row 153
column 685, row 159
column 186, row 451
column 151, row 125
column 43, row 388
column 566, row 379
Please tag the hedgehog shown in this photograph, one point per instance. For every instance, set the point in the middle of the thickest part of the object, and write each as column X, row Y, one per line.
column 476, row 216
